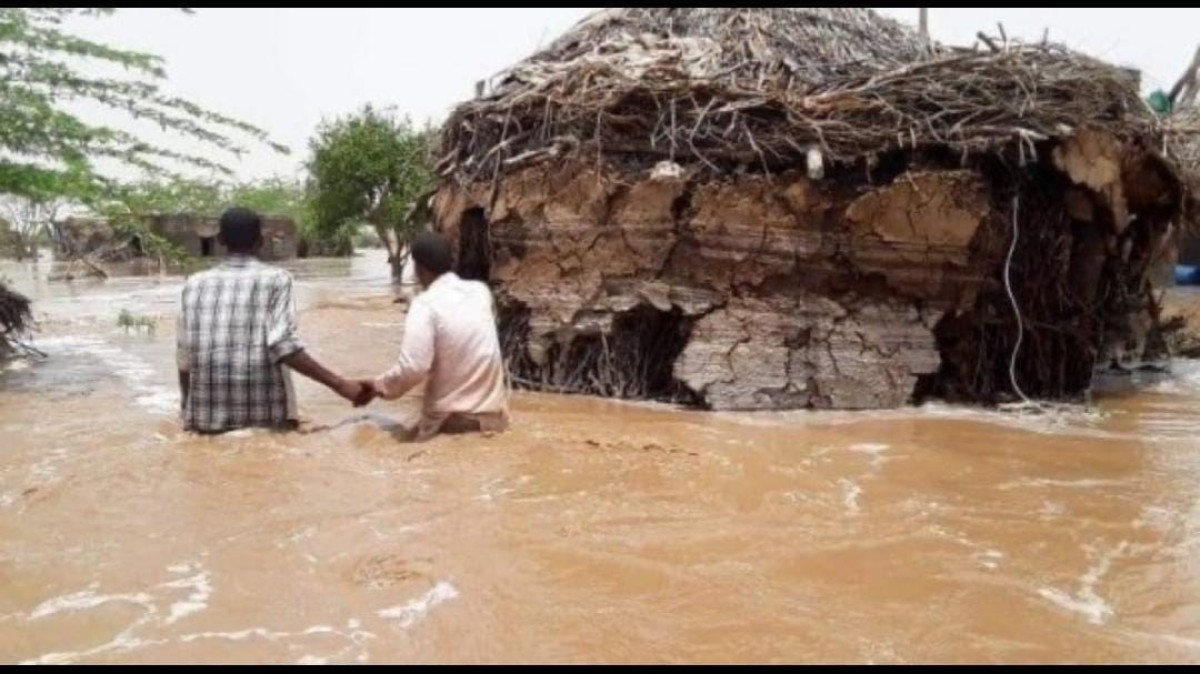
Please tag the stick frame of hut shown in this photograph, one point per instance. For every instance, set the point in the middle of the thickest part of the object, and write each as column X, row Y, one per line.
column 808, row 208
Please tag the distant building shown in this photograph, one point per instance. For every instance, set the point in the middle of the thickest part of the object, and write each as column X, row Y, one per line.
column 195, row 234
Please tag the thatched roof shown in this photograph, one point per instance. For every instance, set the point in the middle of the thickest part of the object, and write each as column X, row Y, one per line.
column 805, row 42
column 1183, row 134
column 727, row 87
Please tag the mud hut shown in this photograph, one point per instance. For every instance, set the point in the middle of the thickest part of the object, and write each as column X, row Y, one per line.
column 806, row 208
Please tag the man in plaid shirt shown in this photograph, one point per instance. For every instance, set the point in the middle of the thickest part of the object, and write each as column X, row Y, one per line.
column 236, row 341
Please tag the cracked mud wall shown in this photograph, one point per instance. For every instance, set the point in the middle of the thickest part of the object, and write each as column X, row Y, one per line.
column 778, row 302
column 771, row 292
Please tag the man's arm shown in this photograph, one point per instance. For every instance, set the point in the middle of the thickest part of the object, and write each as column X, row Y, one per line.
column 416, row 354
column 285, row 347
column 354, row 391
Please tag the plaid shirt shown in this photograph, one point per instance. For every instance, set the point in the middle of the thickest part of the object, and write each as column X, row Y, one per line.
column 237, row 322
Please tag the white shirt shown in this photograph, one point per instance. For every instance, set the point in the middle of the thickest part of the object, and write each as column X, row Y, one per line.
column 450, row 342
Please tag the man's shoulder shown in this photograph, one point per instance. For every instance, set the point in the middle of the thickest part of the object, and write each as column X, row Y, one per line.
column 478, row 288
column 259, row 271
column 223, row 274
column 273, row 273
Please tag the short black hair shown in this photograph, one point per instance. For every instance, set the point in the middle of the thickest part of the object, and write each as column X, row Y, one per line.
column 241, row 229
column 432, row 252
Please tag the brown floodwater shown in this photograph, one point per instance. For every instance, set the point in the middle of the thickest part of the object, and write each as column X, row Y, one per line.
column 593, row 531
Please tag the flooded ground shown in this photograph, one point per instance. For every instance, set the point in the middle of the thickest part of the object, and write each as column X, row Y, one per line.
column 592, row 532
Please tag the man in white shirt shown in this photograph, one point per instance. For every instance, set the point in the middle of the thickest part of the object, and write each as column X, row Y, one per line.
column 450, row 343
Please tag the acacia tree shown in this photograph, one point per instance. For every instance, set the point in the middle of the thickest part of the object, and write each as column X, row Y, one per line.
column 48, row 151
column 273, row 196
column 369, row 167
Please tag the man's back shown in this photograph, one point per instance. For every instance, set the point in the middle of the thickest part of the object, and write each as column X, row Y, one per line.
column 236, row 324
column 450, row 342
column 468, row 367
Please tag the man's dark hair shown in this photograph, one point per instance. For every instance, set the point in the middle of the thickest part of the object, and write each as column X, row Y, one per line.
column 241, row 230
column 432, row 252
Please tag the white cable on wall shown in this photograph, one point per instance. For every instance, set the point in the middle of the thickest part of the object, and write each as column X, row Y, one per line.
column 1012, row 363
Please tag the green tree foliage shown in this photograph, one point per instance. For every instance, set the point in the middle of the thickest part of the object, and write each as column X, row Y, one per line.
column 47, row 150
column 369, row 167
column 209, row 197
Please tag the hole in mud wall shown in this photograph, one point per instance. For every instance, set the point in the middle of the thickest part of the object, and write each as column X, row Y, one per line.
column 474, row 246
column 513, row 326
column 207, row 246
column 635, row 361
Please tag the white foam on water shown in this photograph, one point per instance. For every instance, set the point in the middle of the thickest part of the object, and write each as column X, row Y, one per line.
column 850, row 493
column 46, row 469
column 1179, row 641
column 356, row 637
column 494, row 488
column 1052, row 509
column 409, row 613
column 1184, row 378
column 88, row 599
column 297, row 537
column 123, row 642
column 137, row 374
column 1155, row 517
column 990, row 559
column 875, row 450
column 201, row 588
column 1068, row 484
column 261, row 632
column 1087, row 602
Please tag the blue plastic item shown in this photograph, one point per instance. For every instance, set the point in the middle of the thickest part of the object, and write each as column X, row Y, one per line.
column 1187, row 275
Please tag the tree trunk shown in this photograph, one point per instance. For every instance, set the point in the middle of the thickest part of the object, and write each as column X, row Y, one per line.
column 399, row 262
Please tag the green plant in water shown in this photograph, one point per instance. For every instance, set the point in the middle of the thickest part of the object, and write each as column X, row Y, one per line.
column 129, row 321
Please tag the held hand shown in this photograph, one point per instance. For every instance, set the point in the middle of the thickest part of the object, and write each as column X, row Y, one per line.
column 355, row 392
column 367, row 393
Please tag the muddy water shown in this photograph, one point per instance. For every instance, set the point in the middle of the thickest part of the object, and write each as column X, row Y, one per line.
column 593, row 531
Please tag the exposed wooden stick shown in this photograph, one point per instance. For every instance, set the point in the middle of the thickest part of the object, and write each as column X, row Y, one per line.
column 1187, row 82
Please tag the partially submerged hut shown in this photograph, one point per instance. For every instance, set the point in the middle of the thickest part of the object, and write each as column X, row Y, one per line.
column 788, row 208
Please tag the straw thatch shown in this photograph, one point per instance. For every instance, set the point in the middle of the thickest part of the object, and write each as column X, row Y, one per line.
column 1183, row 134
column 766, row 208
column 733, row 86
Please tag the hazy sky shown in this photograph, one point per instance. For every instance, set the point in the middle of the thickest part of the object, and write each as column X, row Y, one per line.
column 285, row 69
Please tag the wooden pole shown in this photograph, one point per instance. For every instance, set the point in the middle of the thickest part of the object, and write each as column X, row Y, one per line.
column 1184, row 91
